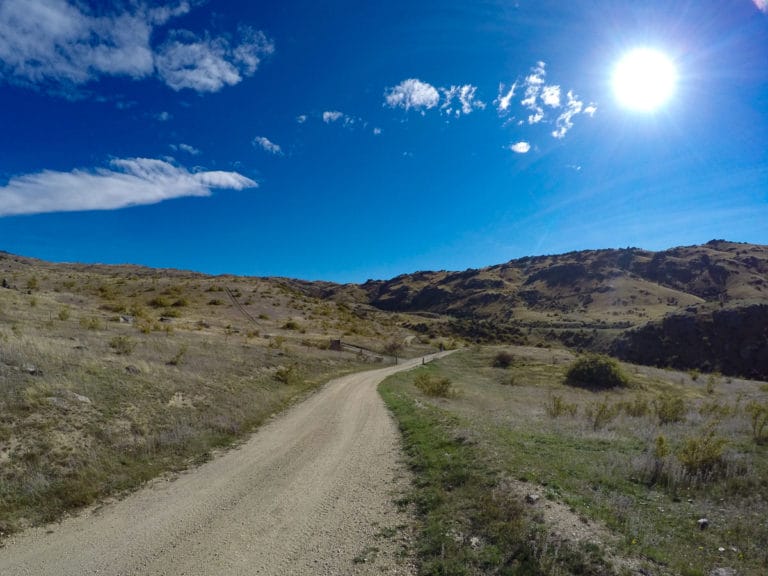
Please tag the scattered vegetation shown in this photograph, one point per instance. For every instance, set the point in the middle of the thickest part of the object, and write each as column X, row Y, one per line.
column 634, row 468
column 432, row 385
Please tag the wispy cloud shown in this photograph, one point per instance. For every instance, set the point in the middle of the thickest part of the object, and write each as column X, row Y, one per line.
column 573, row 107
column 332, row 116
column 520, row 147
column 301, row 118
column 412, row 94
column 189, row 149
column 762, row 5
column 209, row 64
column 543, row 102
column 504, row 98
column 62, row 45
column 128, row 182
column 458, row 100
column 267, row 145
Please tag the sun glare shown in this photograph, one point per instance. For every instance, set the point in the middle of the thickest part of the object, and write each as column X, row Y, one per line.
column 644, row 79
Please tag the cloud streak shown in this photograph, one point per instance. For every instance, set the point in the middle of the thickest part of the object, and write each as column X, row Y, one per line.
column 62, row 46
column 128, row 182
column 267, row 145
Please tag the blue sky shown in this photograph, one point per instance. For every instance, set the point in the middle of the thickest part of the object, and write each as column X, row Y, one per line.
column 350, row 140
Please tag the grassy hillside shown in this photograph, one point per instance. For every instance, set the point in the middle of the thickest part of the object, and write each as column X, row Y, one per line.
column 110, row 376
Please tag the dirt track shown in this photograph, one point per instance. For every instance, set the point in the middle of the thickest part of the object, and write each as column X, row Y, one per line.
column 310, row 493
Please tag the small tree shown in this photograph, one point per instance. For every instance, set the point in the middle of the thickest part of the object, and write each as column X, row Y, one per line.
column 393, row 348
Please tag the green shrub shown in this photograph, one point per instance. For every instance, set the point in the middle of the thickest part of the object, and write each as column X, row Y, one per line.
column 556, row 406
column 503, row 359
column 669, row 408
column 291, row 325
column 287, row 375
column 702, row 456
column 64, row 314
column 758, row 414
column 601, row 414
column 596, row 372
column 433, row 385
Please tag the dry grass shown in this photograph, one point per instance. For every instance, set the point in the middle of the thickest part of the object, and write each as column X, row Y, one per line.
column 110, row 376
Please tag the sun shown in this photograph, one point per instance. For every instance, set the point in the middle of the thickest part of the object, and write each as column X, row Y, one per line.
column 644, row 80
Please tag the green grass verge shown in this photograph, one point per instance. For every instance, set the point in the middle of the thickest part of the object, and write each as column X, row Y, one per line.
column 469, row 523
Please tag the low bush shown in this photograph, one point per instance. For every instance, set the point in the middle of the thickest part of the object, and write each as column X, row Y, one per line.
column 503, row 359
column 669, row 409
column 122, row 345
column 702, row 455
column 432, row 385
column 758, row 416
column 597, row 372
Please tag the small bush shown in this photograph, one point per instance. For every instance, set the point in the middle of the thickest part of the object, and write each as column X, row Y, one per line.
column 90, row 323
column 122, row 345
column 291, row 325
column 702, row 456
column 758, row 414
column 601, row 414
column 503, row 359
column 159, row 302
column 179, row 356
column 556, row 406
column 287, row 375
column 597, row 372
column 64, row 314
column 432, row 385
column 669, row 409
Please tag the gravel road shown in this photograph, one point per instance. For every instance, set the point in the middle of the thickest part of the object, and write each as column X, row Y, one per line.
column 310, row 493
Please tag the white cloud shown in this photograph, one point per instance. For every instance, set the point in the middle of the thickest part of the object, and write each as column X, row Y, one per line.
column 129, row 182
column 164, row 116
column 412, row 94
column 503, row 101
column 209, row 64
column 301, row 118
column 762, row 5
column 590, row 110
column 550, row 95
column 186, row 148
column 377, row 131
column 63, row 45
column 565, row 120
column 331, row 116
column 267, row 145
column 520, row 147
column 466, row 100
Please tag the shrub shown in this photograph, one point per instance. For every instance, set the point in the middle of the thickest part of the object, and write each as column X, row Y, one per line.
column 287, row 375
column 601, row 413
column 159, row 302
column 122, row 345
column 291, row 325
column 556, row 406
column 702, row 456
column 433, row 385
column 503, row 359
column 64, row 314
column 597, row 372
column 669, row 408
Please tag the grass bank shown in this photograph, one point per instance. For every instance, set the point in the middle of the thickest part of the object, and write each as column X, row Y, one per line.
column 623, row 476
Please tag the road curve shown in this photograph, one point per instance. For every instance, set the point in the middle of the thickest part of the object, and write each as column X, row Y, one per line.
column 309, row 493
